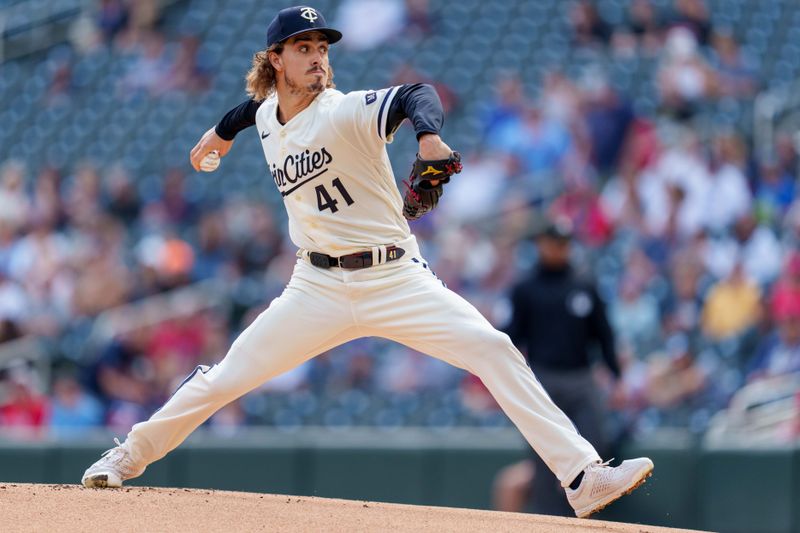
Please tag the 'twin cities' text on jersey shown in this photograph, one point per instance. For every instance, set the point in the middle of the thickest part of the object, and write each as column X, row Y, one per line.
column 298, row 166
column 329, row 163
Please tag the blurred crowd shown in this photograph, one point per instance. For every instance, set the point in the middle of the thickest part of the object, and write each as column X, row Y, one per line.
column 158, row 62
column 692, row 239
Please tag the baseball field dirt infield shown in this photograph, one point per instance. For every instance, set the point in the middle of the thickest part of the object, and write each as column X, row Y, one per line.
column 25, row 507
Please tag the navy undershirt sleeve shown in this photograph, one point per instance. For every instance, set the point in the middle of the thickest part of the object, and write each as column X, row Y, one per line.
column 237, row 119
column 419, row 103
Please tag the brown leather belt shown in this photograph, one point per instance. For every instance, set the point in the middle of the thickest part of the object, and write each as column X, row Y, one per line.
column 356, row 260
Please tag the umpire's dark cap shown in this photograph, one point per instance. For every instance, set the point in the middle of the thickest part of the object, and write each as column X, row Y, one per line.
column 296, row 20
column 558, row 228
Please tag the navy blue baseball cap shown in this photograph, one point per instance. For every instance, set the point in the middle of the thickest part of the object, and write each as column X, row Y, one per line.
column 559, row 228
column 296, row 20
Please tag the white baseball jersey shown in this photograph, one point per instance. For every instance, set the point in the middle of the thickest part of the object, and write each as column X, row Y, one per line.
column 330, row 164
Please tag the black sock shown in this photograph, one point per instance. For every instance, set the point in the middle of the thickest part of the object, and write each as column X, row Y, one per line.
column 576, row 482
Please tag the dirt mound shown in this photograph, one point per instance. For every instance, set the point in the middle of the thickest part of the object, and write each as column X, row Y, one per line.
column 25, row 507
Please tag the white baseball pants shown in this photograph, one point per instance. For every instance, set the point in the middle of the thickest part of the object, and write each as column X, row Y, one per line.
column 402, row 301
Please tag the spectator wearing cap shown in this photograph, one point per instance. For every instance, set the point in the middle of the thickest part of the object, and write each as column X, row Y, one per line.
column 645, row 24
column 588, row 27
column 557, row 318
column 694, row 16
column 753, row 244
column 684, row 79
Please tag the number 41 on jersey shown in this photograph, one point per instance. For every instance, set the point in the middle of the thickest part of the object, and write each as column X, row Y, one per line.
column 326, row 201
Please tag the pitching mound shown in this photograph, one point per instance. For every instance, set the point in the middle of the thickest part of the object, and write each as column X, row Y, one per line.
column 25, row 507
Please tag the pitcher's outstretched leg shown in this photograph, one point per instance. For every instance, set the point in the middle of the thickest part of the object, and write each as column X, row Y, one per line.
column 448, row 327
column 273, row 344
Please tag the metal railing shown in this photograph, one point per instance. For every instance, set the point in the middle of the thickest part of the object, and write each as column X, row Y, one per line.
column 776, row 110
column 180, row 302
column 32, row 25
column 765, row 412
column 177, row 303
column 26, row 351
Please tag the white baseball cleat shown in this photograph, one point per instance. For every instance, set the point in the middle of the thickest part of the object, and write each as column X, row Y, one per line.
column 114, row 467
column 602, row 484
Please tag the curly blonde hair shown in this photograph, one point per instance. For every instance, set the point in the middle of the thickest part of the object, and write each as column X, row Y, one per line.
column 262, row 79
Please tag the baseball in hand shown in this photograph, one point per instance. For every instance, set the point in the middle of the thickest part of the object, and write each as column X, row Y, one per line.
column 210, row 162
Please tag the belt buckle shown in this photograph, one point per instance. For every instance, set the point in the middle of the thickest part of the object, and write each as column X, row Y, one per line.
column 319, row 260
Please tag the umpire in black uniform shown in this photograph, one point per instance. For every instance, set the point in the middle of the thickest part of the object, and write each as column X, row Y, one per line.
column 557, row 319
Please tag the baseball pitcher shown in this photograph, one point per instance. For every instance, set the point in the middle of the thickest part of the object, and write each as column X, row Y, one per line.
column 359, row 270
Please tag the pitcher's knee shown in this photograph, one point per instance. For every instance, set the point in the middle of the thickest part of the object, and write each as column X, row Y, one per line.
column 487, row 342
column 209, row 381
column 494, row 348
column 497, row 340
column 224, row 388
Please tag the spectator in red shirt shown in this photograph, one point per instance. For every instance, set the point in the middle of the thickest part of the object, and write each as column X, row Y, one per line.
column 23, row 407
column 785, row 300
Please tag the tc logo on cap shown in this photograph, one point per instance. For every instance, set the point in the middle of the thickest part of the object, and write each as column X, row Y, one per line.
column 296, row 20
column 309, row 13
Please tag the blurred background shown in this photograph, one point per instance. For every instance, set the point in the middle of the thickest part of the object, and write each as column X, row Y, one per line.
column 666, row 131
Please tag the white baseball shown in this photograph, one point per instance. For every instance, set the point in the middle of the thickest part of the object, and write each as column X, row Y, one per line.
column 210, row 162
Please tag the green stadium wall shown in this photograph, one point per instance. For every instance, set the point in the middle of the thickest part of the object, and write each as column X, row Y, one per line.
column 728, row 490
